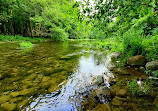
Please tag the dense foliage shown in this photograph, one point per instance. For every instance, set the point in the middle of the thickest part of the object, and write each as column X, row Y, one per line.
column 131, row 25
column 58, row 19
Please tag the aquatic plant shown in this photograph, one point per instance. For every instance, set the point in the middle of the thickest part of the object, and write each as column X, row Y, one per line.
column 139, row 89
column 26, row 45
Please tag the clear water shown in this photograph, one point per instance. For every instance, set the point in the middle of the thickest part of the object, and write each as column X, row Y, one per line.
column 53, row 76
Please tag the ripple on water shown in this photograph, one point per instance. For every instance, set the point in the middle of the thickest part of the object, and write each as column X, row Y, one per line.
column 79, row 84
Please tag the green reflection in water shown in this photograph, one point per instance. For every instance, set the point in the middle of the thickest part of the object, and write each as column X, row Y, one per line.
column 24, row 76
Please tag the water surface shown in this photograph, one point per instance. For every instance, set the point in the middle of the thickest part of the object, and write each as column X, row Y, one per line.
column 60, row 76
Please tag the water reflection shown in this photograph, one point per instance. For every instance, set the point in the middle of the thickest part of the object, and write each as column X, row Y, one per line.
column 79, row 84
column 55, row 75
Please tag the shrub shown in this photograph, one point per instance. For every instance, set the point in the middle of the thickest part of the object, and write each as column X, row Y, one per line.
column 139, row 89
column 132, row 43
column 58, row 34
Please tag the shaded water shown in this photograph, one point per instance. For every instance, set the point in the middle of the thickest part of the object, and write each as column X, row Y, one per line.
column 56, row 76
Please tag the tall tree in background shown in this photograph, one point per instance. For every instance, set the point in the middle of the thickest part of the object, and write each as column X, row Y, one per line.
column 58, row 19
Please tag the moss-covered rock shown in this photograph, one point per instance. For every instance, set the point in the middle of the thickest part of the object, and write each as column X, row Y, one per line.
column 138, row 60
column 102, row 107
column 153, row 65
column 122, row 92
column 121, row 71
column 117, row 101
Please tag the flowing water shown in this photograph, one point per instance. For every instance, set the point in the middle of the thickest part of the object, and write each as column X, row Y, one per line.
column 52, row 76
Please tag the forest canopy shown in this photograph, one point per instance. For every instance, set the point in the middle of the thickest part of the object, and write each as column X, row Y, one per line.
column 58, row 19
column 63, row 19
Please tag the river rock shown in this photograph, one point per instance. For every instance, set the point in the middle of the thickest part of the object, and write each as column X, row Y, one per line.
column 8, row 106
column 49, row 70
column 16, row 100
column 116, row 101
column 102, row 107
column 15, row 70
column 99, row 79
column 138, row 60
column 142, row 69
column 45, row 79
column 26, row 91
column 116, row 109
column 22, row 104
column 14, row 94
column 103, row 90
column 4, row 98
column 155, row 102
column 153, row 65
column 121, row 71
column 122, row 92
column 112, row 68
column 115, row 55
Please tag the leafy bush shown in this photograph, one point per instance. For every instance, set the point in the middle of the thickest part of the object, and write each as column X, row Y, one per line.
column 132, row 43
column 58, row 34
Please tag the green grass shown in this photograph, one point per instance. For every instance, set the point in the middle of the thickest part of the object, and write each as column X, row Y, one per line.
column 129, row 45
column 8, row 38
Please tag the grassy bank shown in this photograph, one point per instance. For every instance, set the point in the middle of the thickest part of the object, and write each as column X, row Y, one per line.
column 9, row 38
column 129, row 45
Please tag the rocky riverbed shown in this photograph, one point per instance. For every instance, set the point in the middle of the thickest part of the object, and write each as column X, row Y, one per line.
column 64, row 76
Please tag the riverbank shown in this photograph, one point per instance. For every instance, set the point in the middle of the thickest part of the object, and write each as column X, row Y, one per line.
column 17, row 38
column 129, row 89
column 128, row 46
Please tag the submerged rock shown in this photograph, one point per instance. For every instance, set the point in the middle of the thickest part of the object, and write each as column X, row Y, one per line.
column 116, row 109
column 22, row 104
column 122, row 92
column 8, row 106
column 117, row 101
column 142, row 69
column 15, row 100
column 103, row 90
column 153, row 65
column 99, row 80
column 4, row 98
column 121, row 71
column 102, row 107
column 138, row 60
column 14, row 94
column 26, row 92
column 115, row 55
column 155, row 102
column 48, row 70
